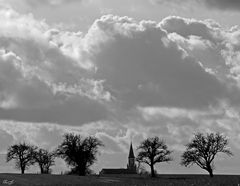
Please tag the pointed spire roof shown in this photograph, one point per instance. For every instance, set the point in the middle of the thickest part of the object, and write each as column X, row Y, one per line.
column 131, row 154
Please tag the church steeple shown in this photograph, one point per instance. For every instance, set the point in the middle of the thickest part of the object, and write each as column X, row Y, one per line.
column 131, row 153
column 131, row 160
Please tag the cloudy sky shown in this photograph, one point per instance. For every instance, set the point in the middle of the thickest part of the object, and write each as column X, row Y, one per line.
column 120, row 70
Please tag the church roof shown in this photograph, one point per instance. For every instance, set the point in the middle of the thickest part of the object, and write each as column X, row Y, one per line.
column 131, row 154
column 117, row 171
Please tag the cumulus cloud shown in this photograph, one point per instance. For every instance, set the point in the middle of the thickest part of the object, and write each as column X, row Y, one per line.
column 120, row 63
column 215, row 47
column 207, row 29
column 143, row 66
column 39, row 75
column 140, row 63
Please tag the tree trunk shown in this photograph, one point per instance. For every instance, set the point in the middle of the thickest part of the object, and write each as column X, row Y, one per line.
column 152, row 171
column 210, row 172
column 22, row 170
column 47, row 170
column 42, row 171
column 82, row 171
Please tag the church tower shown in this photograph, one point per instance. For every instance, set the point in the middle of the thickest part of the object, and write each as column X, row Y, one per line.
column 131, row 160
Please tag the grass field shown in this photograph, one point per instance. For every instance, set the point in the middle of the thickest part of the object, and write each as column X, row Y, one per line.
column 162, row 180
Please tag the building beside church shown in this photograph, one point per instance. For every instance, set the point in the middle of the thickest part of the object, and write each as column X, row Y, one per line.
column 131, row 166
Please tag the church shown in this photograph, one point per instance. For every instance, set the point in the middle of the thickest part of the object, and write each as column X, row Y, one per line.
column 131, row 166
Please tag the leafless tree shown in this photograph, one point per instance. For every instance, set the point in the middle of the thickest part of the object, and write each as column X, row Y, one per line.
column 203, row 149
column 22, row 154
column 79, row 152
column 152, row 151
column 45, row 160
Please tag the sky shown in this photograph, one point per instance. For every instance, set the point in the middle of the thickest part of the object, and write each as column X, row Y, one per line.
column 121, row 71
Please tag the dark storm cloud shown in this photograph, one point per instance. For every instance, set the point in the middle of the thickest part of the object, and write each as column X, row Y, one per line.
column 145, row 68
column 73, row 112
column 223, row 4
column 216, row 4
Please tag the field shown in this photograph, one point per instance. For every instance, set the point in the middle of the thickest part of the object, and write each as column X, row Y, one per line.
column 162, row 180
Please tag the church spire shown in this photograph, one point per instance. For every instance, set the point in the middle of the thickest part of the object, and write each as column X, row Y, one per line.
column 131, row 161
column 131, row 154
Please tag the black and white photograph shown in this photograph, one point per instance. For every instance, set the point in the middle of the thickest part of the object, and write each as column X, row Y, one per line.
column 120, row 92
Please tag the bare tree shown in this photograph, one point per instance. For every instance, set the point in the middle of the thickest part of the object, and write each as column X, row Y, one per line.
column 152, row 151
column 203, row 149
column 79, row 152
column 45, row 160
column 22, row 154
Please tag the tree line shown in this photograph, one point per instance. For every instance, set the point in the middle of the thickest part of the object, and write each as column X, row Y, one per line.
column 80, row 153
